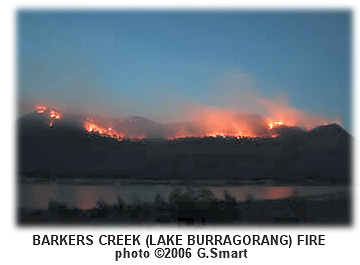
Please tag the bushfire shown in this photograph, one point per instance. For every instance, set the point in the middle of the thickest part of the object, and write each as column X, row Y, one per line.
column 216, row 126
column 271, row 125
column 53, row 115
column 110, row 132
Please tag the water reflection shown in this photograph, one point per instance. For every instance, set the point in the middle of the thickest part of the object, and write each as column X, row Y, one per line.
column 36, row 196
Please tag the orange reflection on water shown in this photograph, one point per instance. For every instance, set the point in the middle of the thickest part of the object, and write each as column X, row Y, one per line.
column 275, row 193
column 243, row 193
column 86, row 197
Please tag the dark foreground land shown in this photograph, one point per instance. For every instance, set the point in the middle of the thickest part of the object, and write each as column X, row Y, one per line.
column 316, row 210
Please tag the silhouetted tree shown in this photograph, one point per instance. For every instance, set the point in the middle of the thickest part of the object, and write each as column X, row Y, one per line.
column 159, row 198
column 101, row 205
column 206, row 195
column 177, row 196
column 120, row 204
column 228, row 197
column 249, row 198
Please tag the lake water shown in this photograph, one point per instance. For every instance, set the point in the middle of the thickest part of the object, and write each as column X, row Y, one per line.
column 37, row 196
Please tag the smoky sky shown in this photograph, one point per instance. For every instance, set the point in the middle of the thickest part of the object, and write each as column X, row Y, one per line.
column 175, row 66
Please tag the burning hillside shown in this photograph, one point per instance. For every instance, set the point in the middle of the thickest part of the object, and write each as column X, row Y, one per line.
column 207, row 123
column 52, row 143
column 50, row 113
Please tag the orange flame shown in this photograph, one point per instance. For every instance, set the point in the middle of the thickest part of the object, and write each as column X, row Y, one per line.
column 282, row 114
column 215, row 122
column 271, row 125
column 110, row 132
column 209, row 122
column 54, row 115
column 40, row 109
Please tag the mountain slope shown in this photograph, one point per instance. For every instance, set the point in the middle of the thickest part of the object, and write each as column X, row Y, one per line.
column 317, row 157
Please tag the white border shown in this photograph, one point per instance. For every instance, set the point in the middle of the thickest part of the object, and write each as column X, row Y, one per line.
column 16, row 243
